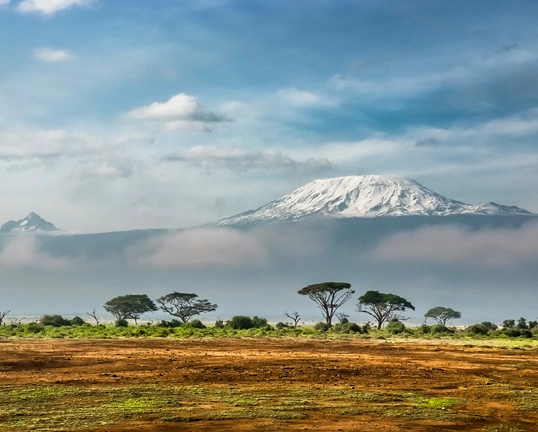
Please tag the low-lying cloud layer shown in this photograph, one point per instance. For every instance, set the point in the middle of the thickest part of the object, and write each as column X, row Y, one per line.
column 460, row 247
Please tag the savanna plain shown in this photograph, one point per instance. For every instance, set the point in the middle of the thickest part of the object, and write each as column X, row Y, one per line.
column 268, row 383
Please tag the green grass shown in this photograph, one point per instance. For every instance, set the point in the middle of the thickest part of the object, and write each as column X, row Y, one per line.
column 67, row 407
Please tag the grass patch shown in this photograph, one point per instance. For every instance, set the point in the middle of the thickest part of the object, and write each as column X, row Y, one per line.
column 68, row 407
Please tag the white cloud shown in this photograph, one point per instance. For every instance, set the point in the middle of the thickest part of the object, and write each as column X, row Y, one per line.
column 296, row 97
column 461, row 247
column 240, row 159
column 228, row 248
column 49, row 7
column 4, row 2
column 181, row 111
column 49, row 55
column 201, row 248
column 23, row 251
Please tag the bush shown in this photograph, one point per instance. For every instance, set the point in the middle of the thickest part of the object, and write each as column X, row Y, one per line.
column 195, row 324
column 121, row 323
column 281, row 325
column 259, row 322
column 489, row 326
column 54, row 321
column 240, row 322
column 516, row 332
column 219, row 324
column 477, row 329
column 440, row 329
column 170, row 324
column 395, row 327
column 77, row 321
column 424, row 329
column 321, row 326
column 347, row 328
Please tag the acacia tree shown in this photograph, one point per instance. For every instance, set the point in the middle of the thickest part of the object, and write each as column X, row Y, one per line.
column 383, row 307
column 131, row 306
column 442, row 314
column 329, row 296
column 3, row 314
column 184, row 305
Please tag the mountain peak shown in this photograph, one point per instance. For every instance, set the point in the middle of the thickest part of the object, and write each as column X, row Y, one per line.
column 362, row 196
column 31, row 223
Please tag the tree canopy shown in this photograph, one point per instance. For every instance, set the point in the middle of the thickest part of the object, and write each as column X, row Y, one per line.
column 329, row 296
column 130, row 306
column 184, row 305
column 383, row 307
column 442, row 314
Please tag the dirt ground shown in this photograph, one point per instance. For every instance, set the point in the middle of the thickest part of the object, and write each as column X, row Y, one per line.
column 265, row 384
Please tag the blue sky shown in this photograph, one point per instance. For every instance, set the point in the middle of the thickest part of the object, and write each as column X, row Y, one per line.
column 139, row 114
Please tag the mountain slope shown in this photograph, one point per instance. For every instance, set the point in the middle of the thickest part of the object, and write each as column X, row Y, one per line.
column 31, row 223
column 363, row 196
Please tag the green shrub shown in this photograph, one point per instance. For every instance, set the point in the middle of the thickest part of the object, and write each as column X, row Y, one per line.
column 195, row 324
column 121, row 323
column 489, row 326
column 440, row 329
column 258, row 322
column 219, row 323
column 516, row 332
column 77, row 321
column 240, row 322
column 395, row 327
column 424, row 329
column 281, row 325
column 170, row 324
column 347, row 328
column 54, row 321
column 321, row 326
column 477, row 329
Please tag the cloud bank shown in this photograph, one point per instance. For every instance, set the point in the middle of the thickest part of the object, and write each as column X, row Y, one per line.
column 460, row 247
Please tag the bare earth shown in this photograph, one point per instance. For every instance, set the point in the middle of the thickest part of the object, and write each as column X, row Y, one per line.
column 265, row 384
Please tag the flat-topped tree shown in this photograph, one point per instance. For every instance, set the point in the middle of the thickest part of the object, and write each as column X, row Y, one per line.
column 131, row 306
column 184, row 305
column 442, row 314
column 383, row 307
column 329, row 296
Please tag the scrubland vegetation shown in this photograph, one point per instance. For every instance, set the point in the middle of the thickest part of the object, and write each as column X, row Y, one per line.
column 56, row 326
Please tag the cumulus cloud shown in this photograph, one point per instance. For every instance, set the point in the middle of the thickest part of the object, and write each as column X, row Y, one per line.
column 181, row 111
column 461, row 247
column 49, row 7
column 296, row 97
column 24, row 251
column 240, row 159
column 49, row 55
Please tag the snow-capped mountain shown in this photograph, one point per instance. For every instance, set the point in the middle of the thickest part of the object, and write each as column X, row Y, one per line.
column 31, row 223
column 364, row 196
